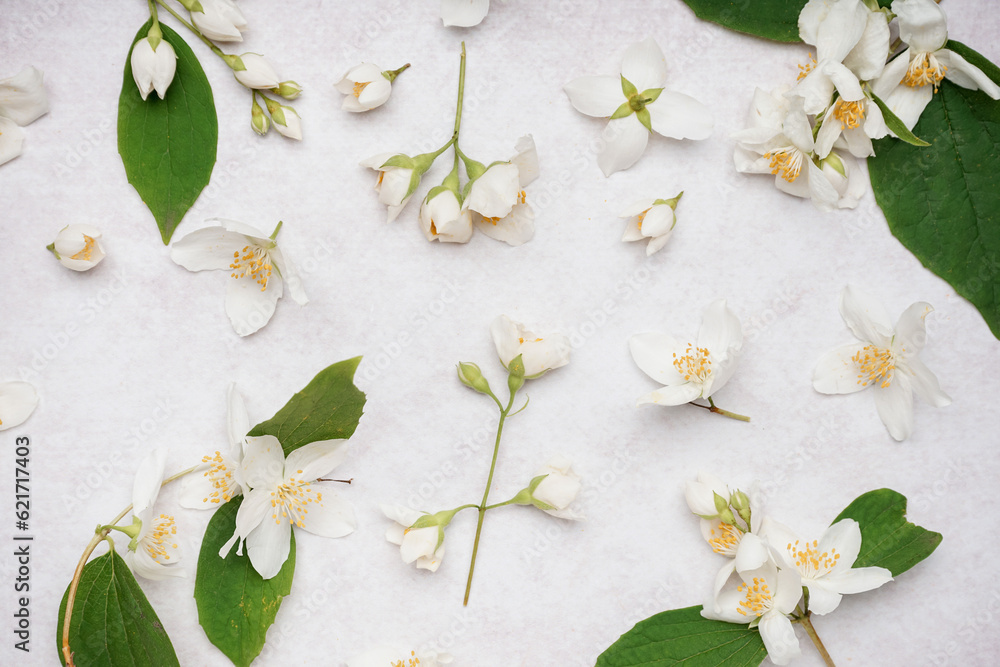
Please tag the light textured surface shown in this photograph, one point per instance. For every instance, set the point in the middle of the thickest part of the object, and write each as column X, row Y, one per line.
column 138, row 353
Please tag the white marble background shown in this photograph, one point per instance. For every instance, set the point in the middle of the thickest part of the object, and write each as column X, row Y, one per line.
column 138, row 353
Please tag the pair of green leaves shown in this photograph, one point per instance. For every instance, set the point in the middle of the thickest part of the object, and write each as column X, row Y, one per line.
column 683, row 636
column 113, row 624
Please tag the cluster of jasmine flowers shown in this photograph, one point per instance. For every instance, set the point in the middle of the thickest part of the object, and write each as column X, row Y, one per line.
column 859, row 86
column 773, row 577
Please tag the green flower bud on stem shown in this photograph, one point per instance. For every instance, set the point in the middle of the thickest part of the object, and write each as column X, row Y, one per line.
column 288, row 89
column 470, row 375
column 515, row 379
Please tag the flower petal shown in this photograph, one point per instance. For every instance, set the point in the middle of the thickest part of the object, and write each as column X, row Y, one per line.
column 249, row 308
column 331, row 517
column 22, row 97
column 316, row 459
column 965, row 74
column 909, row 103
column 751, row 554
column 526, row 160
column 836, row 372
column 911, row 332
column 264, row 462
column 673, row 395
column 680, row 116
column 654, row 353
column 856, row 580
column 867, row 58
column 636, row 208
column 288, row 274
column 17, row 401
column 464, row 13
column 624, row 142
column 779, row 638
column 925, row 383
column 494, row 194
column 419, row 542
column 268, row 546
column 376, row 93
column 207, row 249
column 141, row 563
column 865, row 316
column 197, row 489
column 11, row 140
column 922, row 24
column 840, row 30
column 404, row 516
column 598, row 96
column 644, row 65
column 148, row 479
column 720, row 330
column 895, row 406
column 505, row 334
column 514, row 229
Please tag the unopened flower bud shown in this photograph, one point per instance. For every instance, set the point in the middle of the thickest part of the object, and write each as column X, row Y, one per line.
column 471, row 376
column 288, row 89
column 258, row 119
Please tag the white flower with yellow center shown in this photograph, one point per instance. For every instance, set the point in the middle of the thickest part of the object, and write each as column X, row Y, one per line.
column 539, row 354
column 422, row 544
column 919, row 69
column 651, row 219
column 285, row 492
column 497, row 199
column 153, row 552
column 690, row 370
column 17, row 401
column 257, row 268
column 219, row 479
column 78, row 247
column 366, row 86
column 885, row 360
column 764, row 599
column 826, row 565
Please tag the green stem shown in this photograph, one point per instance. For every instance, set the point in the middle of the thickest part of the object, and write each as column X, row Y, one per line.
column 152, row 12
column 486, row 494
column 216, row 50
column 461, row 92
column 719, row 411
column 817, row 642
column 506, row 502
column 277, row 229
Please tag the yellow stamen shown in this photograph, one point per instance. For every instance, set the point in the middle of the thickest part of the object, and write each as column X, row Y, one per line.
column 725, row 539
column 291, row 498
column 359, row 86
column 88, row 249
column 522, row 198
column 850, row 114
column 808, row 67
column 155, row 542
column 695, row 365
column 414, row 661
column 758, row 598
column 924, row 70
column 642, row 216
column 221, row 478
column 253, row 263
column 786, row 162
column 809, row 561
column 875, row 364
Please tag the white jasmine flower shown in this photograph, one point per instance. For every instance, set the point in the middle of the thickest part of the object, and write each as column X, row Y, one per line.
column 22, row 101
column 464, row 13
column 152, row 553
column 394, row 185
column 701, row 495
column 257, row 73
column 220, row 477
column 423, row 544
column 396, row 657
column 925, row 62
column 764, row 599
column 886, row 359
column 256, row 265
column 651, row 219
column 637, row 105
column 283, row 492
column 560, row 487
column 153, row 69
column 220, row 20
column 539, row 354
column 17, row 401
column 687, row 370
column 286, row 120
column 443, row 219
column 365, row 87
column 826, row 564
column 498, row 199
column 78, row 247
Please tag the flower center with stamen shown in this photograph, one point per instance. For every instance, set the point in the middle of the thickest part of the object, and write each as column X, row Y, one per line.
column 757, row 600
column 252, row 262
column 694, row 364
column 642, row 216
column 359, row 87
column 221, row 478
column 522, row 198
column 808, row 67
column 786, row 162
column 850, row 114
column 414, row 661
column 88, row 249
column 159, row 539
column 291, row 499
column 924, row 70
column 725, row 539
column 521, row 340
column 810, row 562
column 875, row 364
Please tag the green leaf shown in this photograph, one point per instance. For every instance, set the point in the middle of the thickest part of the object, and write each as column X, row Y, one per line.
column 943, row 202
column 975, row 58
column 684, row 637
column 771, row 19
column 168, row 146
column 236, row 605
column 329, row 407
column 113, row 624
column 898, row 127
column 887, row 539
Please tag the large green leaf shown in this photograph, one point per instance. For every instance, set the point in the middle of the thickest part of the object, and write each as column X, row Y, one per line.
column 684, row 637
column 887, row 539
column 235, row 605
column 943, row 202
column 113, row 624
column 771, row 19
column 168, row 146
column 329, row 408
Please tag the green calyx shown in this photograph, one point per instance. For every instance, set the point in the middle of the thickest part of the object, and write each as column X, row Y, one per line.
column 235, row 62
column 155, row 35
column 192, row 5
column 636, row 103
column 52, row 248
column 391, row 74
column 672, row 203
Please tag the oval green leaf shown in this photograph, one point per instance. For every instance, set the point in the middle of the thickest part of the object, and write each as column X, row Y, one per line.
column 770, row 19
column 235, row 605
column 943, row 202
column 113, row 624
column 887, row 539
column 328, row 408
column 684, row 637
column 168, row 146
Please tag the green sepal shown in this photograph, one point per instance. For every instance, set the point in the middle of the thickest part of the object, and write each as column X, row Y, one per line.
column 155, row 35
column 52, row 248
column 650, row 95
column 643, row 116
column 628, row 88
column 192, row 5
column 672, row 202
column 235, row 62
column 400, row 161
column 473, row 170
column 621, row 112
column 896, row 125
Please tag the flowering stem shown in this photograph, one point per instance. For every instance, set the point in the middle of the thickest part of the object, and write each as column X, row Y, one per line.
column 152, row 12
column 719, row 411
column 486, row 494
column 461, row 92
column 817, row 642
column 391, row 74
column 100, row 534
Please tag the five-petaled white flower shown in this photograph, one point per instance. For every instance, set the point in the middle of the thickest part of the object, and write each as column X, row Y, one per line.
column 220, row 477
column 688, row 370
column 497, row 199
column 464, row 13
column 256, row 265
column 152, row 553
column 826, row 564
column 153, row 68
column 764, row 599
column 885, row 359
column 22, row 101
column 17, row 401
column 220, row 20
column 283, row 492
column 651, row 219
column 397, row 657
column 556, row 492
column 538, row 354
column 637, row 105
column 919, row 69
column 78, row 247
column 421, row 543
column 365, row 87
